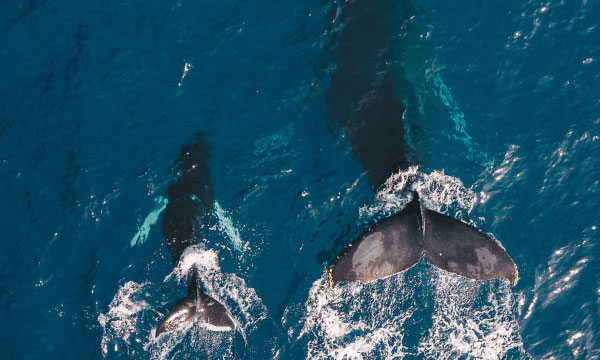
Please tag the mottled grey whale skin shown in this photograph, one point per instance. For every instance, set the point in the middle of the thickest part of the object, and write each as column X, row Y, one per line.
column 187, row 213
column 363, row 101
column 398, row 242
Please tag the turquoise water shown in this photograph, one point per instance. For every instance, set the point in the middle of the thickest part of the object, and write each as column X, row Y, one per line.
column 98, row 98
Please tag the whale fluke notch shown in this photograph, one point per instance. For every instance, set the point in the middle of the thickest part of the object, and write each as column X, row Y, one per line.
column 196, row 306
column 397, row 243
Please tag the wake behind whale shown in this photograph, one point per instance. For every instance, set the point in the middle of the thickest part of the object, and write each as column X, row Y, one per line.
column 422, row 312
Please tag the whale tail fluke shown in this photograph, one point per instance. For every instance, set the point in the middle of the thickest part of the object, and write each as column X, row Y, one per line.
column 457, row 247
column 196, row 306
column 398, row 242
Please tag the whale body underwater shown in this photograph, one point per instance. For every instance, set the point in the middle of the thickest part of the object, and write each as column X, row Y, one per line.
column 363, row 101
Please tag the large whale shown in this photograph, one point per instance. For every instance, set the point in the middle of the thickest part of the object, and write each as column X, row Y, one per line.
column 363, row 100
column 190, row 200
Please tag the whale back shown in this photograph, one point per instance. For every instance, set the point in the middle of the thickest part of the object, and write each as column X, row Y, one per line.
column 190, row 198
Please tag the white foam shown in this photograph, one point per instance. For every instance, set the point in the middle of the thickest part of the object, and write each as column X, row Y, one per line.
column 227, row 288
column 186, row 67
column 131, row 315
column 437, row 190
column 195, row 339
column 354, row 321
column 476, row 319
column 470, row 319
column 195, row 257
column 121, row 320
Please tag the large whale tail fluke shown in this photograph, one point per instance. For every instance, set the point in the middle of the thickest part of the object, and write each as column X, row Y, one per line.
column 196, row 306
column 398, row 242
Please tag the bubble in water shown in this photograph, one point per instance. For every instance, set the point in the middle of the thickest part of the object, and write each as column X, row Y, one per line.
column 355, row 321
column 473, row 318
column 438, row 191
column 120, row 323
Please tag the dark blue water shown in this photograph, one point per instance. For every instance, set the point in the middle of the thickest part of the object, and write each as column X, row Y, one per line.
column 97, row 99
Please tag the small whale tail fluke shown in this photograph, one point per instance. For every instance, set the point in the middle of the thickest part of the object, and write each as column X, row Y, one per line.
column 398, row 242
column 196, row 306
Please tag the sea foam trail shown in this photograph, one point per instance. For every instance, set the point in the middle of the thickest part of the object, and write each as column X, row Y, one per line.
column 136, row 309
column 473, row 319
column 469, row 319
column 120, row 323
column 355, row 321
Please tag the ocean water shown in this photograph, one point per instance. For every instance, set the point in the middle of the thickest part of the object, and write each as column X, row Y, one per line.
column 97, row 99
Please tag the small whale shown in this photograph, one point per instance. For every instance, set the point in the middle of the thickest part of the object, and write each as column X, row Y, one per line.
column 190, row 200
column 363, row 100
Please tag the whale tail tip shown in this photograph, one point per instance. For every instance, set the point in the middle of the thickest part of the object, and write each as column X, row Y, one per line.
column 196, row 306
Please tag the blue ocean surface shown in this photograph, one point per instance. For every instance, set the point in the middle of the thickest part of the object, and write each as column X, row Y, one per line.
column 97, row 98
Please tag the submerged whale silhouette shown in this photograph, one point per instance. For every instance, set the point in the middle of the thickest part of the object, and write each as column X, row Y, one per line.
column 187, row 213
column 363, row 100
